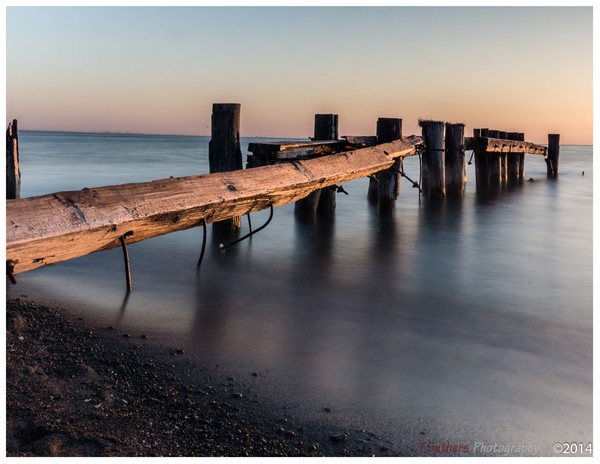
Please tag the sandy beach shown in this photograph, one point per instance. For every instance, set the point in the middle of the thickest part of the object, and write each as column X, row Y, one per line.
column 76, row 389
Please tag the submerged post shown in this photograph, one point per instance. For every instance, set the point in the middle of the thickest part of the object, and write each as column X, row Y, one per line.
column 13, row 171
column 326, row 128
column 521, row 138
column 512, row 166
column 388, row 181
column 503, row 159
column 553, row 153
column 224, row 152
column 494, row 163
column 322, row 200
column 481, row 163
column 455, row 162
column 433, row 139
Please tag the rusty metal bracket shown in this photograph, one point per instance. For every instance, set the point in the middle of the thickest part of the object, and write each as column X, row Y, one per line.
column 123, row 240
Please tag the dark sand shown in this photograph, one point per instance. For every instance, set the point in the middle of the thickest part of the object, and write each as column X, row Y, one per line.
column 75, row 389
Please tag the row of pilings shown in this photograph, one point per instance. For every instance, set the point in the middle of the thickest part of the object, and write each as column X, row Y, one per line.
column 443, row 164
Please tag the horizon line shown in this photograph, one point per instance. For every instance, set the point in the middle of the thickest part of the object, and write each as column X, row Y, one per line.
column 200, row 135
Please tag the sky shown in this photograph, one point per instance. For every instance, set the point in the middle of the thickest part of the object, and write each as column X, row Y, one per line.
column 160, row 69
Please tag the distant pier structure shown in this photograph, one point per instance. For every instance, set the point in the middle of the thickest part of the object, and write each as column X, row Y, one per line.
column 59, row 226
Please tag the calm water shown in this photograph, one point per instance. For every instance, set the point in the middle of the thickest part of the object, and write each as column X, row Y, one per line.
column 471, row 320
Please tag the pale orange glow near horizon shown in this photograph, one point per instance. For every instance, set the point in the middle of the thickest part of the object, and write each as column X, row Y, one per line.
column 158, row 70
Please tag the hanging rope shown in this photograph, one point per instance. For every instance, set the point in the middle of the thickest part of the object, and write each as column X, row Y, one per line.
column 203, row 244
column 224, row 247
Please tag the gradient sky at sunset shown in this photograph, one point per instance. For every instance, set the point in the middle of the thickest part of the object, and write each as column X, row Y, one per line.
column 159, row 69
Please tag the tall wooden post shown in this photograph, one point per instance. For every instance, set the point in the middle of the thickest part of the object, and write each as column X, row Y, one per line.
column 482, row 180
column 224, row 151
column 503, row 160
column 326, row 128
column 456, row 164
column 13, row 171
column 512, row 166
column 494, row 163
column 322, row 200
column 388, row 181
column 433, row 139
column 553, row 153
column 521, row 138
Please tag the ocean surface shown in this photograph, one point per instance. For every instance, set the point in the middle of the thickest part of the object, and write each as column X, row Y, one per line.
column 467, row 322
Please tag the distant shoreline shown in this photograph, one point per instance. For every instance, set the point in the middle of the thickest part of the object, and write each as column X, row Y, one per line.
column 142, row 134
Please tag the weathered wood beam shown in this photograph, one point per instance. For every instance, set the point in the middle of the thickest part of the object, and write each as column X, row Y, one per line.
column 60, row 226
column 495, row 145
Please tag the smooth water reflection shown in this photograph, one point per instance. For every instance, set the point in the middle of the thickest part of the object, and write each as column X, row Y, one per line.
column 474, row 316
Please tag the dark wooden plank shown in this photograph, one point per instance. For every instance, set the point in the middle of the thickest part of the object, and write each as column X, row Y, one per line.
column 361, row 140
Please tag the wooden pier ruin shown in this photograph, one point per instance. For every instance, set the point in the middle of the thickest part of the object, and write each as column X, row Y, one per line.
column 59, row 226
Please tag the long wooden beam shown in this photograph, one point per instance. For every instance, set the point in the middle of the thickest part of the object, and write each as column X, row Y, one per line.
column 494, row 145
column 51, row 228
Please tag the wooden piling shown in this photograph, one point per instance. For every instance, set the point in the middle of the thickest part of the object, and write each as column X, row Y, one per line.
column 521, row 138
column 388, row 181
column 434, row 159
column 13, row 170
column 512, row 166
column 553, row 154
column 503, row 159
column 224, row 151
column 482, row 180
column 326, row 128
column 323, row 200
column 494, row 168
column 455, row 162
